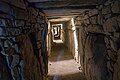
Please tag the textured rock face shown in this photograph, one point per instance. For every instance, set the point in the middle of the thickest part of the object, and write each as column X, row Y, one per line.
column 99, row 34
column 116, row 75
column 95, row 57
column 23, row 31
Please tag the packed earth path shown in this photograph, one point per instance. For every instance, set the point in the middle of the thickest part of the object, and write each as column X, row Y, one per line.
column 62, row 65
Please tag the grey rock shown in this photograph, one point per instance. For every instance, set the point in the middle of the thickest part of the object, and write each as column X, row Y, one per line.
column 111, row 25
column 86, row 17
column 106, row 9
column 118, row 20
column 94, row 29
column 116, row 75
column 116, row 7
column 19, row 22
column 93, row 12
column 77, row 23
column 108, row 2
column 107, row 16
column 94, row 20
column 100, row 18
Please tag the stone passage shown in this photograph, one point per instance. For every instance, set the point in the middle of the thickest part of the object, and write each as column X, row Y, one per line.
column 62, row 66
column 89, row 30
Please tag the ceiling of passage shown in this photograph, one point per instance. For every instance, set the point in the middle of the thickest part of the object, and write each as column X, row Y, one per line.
column 55, row 9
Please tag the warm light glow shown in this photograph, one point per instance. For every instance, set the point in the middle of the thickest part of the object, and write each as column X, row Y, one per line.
column 73, row 25
column 75, row 39
column 63, row 67
column 61, row 36
column 58, row 41
column 55, row 30
column 73, row 28
column 72, row 22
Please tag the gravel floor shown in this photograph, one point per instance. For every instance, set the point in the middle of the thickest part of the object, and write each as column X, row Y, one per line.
column 62, row 66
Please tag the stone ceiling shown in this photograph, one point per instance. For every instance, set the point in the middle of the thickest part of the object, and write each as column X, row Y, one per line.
column 55, row 9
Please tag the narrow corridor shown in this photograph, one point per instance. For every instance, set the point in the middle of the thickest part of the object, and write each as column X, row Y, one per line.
column 59, row 39
column 62, row 66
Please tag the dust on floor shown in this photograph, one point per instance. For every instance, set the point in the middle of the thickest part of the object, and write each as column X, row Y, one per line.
column 62, row 66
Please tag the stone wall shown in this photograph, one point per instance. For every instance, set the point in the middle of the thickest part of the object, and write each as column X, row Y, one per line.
column 23, row 31
column 99, row 34
column 70, row 38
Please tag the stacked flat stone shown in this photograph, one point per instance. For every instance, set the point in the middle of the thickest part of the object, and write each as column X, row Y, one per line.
column 100, row 39
column 19, row 21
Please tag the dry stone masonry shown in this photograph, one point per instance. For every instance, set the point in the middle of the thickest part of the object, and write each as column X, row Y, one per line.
column 23, row 50
column 99, row 31
column 23, row 31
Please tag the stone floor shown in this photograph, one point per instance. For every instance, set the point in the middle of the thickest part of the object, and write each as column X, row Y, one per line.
column 62, row 66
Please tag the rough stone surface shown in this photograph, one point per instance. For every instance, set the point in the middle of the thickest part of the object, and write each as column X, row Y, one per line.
column 29, row 60
column 94, row 29
column 100, row 18
column 116, row 75
column 93, row 12
column 107, row 16
column 100, row 49
column 94, row 20
column 118, row 20
column 106, row 9
column 116, row 6
column 22, row 25
column 111, row 25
